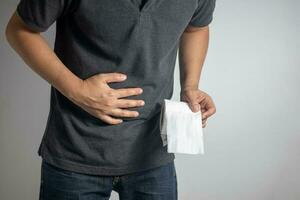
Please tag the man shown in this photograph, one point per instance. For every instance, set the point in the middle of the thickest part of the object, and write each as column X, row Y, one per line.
column 111, row 68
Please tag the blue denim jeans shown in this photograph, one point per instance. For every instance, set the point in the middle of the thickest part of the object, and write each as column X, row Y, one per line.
column 158, row 183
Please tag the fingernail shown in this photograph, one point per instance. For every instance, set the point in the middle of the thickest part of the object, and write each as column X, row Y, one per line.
column 123, row 77
column 142, row 103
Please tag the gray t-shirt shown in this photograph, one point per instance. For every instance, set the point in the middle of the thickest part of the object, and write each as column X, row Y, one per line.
column 101, row 36
column 139, row 3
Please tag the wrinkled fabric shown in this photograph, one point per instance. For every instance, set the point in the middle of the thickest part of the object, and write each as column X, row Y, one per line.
column 105, row 36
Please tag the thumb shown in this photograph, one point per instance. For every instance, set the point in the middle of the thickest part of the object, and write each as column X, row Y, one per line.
column 194, row 106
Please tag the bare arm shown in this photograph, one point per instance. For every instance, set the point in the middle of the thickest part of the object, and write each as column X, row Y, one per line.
column 93, row 94
column 37, row 54
column 192, row 52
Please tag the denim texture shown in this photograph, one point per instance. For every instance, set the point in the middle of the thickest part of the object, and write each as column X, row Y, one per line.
column 159, row 183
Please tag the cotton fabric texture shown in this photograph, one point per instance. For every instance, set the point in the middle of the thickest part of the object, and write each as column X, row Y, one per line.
column 181, row 128
column 102, row 36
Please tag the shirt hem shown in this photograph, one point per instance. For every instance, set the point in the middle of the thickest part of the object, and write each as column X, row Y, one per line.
column 93, row 170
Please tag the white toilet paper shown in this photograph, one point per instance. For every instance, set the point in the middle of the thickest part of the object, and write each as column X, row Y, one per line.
column 181, row 128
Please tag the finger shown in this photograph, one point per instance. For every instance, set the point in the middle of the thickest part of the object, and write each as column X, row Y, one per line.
column 193, row 103
column 209, row 107
column 194, row 106
column 202, row 113
column 117, row 112
column 110, row 120
column 125, row 92
column 113, row 77
column 202, row 109
column 200, row 98
column 129, row 103
column 209, row 112
column 203, row 102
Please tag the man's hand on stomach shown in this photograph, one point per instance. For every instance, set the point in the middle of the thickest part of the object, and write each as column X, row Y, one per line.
column 97, row 98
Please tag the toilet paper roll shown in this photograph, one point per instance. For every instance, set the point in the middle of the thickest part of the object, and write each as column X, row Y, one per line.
column 181, row 128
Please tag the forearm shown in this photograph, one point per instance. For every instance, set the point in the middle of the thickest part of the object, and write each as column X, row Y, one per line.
column 38, row 55
column 192, row 52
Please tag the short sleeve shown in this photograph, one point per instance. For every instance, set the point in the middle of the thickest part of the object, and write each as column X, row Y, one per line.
column 203, row 14
column 39, row 15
